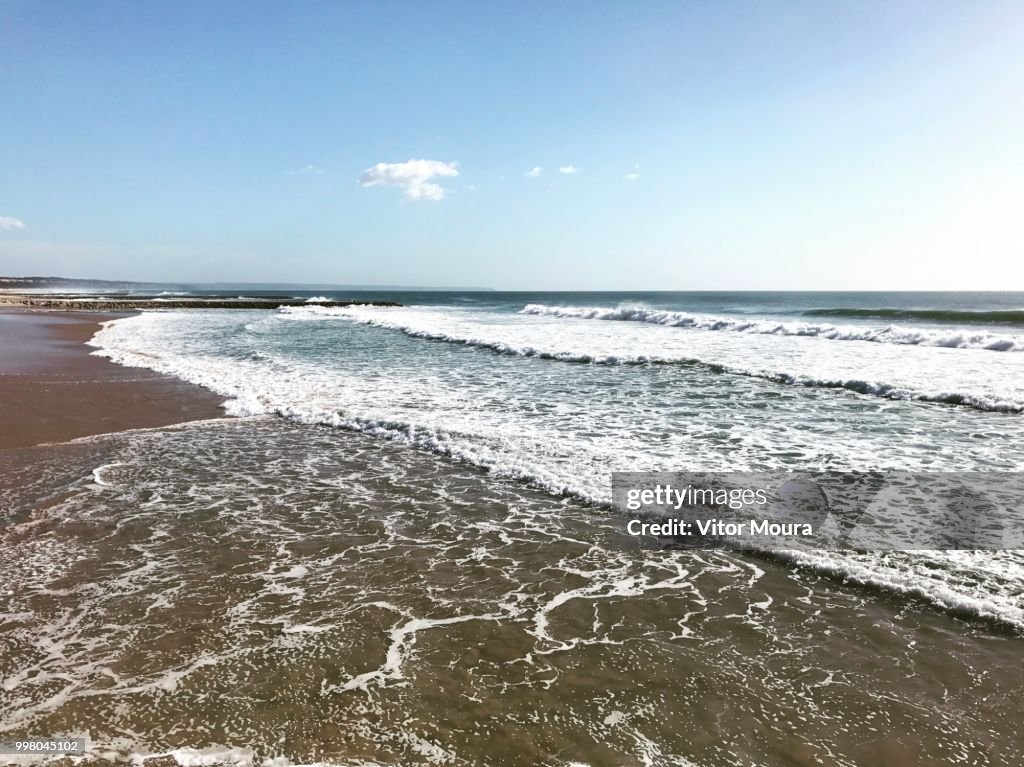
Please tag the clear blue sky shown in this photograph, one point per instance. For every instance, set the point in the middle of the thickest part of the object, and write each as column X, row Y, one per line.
column 785, row 145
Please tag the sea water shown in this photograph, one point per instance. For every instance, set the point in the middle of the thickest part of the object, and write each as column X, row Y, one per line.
column 389, row 555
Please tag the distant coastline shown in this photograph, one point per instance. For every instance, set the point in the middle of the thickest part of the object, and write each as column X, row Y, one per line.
column 75, row 284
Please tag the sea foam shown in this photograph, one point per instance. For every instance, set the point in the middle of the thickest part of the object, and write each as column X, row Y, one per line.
column 552, row 345
column 953, row 338
column 419, row 414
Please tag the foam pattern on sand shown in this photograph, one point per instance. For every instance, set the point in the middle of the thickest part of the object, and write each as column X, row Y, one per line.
column 255, row 592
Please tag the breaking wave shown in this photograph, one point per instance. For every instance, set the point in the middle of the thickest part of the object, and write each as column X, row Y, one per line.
column 949, row 338
column 860, row 386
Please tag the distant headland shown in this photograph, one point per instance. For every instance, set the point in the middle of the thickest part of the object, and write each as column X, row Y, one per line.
column 80, row 285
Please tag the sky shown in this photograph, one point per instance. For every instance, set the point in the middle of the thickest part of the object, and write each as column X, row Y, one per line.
column 579, row 145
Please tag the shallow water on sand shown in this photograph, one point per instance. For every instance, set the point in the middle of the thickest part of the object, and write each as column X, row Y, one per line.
column 254, row 589
column 561, row 402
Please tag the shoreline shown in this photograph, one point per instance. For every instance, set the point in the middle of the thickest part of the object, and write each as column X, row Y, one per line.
column 54, row 390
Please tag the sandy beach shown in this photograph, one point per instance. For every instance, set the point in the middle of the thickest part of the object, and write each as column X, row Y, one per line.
column 53, row 389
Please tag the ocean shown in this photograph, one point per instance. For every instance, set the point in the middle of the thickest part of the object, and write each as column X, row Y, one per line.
column 386, row 554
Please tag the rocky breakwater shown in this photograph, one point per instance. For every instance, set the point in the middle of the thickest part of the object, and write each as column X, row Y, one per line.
column 135, row 304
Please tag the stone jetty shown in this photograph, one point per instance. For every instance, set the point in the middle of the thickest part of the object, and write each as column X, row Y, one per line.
column 110, row 304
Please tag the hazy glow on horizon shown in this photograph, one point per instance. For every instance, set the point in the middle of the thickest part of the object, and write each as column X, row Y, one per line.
column 661, row 146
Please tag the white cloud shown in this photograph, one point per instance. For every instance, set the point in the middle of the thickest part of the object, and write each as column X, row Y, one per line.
column 412, row 177
column 534, row 172
column 632, row 176
column 569, row 170
column 308, row 169
column 9, row 223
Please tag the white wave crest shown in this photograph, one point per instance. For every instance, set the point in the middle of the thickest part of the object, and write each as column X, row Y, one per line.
column 980, row 584
column 878, row 388
column 890, row 334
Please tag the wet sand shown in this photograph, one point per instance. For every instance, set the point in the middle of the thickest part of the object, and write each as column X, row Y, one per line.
column 53, row 390
column 253, row 592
